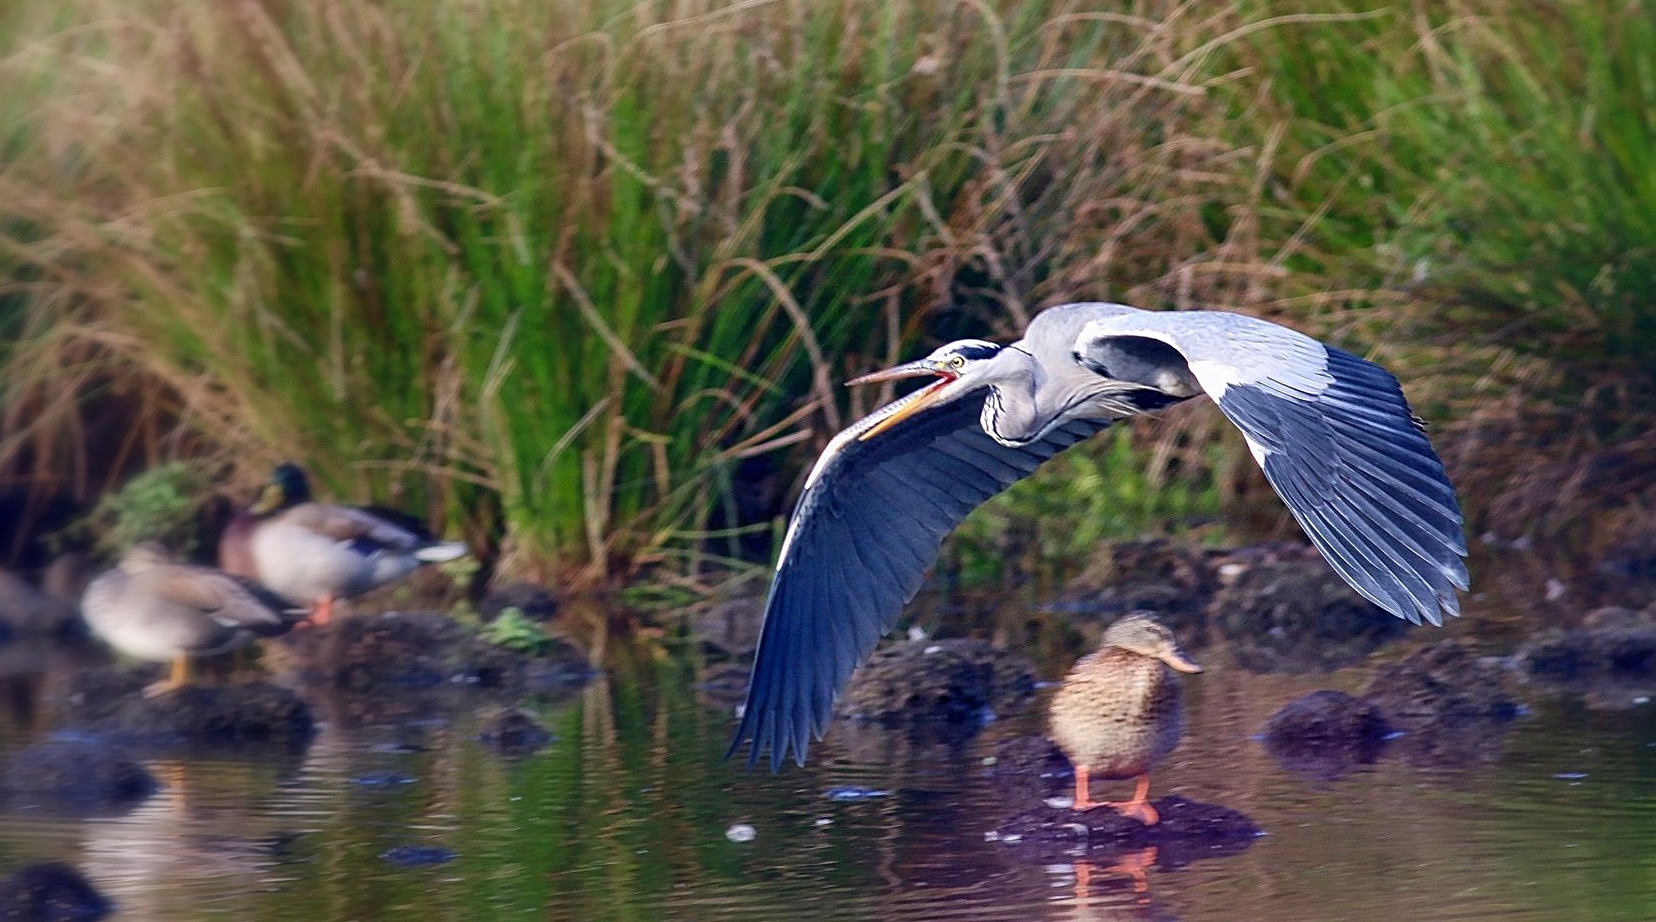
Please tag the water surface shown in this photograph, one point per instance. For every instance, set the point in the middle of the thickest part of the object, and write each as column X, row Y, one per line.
column 625, row 816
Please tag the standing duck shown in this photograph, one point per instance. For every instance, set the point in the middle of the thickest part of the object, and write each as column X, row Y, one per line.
column 314, row 553
column 1118, row 712
column 151, row 607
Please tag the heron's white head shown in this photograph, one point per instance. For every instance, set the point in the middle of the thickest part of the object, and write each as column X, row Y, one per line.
column 960, row 367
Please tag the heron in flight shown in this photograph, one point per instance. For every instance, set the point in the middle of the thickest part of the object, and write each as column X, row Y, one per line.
column 1332, row 431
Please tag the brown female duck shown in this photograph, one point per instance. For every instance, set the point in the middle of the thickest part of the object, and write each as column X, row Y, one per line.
column 1118, row 712
column 152, row 607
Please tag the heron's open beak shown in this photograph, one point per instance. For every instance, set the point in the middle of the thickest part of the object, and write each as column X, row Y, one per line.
column 914, row 402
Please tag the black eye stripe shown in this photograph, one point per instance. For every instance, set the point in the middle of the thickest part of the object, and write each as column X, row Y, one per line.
column 973, row 351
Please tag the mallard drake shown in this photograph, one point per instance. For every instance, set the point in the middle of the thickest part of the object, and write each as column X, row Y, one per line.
column 1118, row 712
column 314, row 553
column 152, row 607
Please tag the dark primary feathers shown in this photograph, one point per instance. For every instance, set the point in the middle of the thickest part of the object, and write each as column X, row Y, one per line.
column 1335, row 438
column 865, row 532
column 1364, row 483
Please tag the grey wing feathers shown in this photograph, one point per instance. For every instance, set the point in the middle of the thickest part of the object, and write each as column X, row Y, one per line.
column 867, row 528
column 227, row 600
column 1364, row 483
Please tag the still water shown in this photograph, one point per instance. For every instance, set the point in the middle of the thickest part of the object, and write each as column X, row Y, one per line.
column 625, row 816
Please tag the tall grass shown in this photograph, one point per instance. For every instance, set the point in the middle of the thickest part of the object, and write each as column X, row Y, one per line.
column 555, row 273
column 1484, row 173
column 554, row 270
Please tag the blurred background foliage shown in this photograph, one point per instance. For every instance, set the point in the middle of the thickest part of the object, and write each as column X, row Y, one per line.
column 579, row 281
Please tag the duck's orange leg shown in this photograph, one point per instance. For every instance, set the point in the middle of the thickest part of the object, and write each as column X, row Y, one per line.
column 323, row 613
column 1139, row 807
column 178, row 678
column 1082, row 801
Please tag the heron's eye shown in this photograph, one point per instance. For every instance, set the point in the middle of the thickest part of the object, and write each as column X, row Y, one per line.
column 957, row 362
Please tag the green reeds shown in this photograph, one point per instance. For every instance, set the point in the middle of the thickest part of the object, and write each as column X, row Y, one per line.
column 1479, row 178
column 554, row 270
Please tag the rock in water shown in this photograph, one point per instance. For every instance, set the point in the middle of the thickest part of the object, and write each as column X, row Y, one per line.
column 421, row 650
column 1189, row 830
column 1172, row 580
column 1297, row 614
column 1610, row 660
column 1452, row 705
column 514, row 732
column 230, row 714
column 1326, row 734
column 951, row 681
column 75, row 775
column 51, row 892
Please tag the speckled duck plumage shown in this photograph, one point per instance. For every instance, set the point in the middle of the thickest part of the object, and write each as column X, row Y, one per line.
column 1119, row 711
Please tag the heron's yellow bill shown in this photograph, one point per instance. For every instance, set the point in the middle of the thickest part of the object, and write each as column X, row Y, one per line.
column 916, row 402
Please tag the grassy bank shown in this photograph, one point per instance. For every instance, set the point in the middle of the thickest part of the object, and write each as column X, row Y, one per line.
column 581, row 280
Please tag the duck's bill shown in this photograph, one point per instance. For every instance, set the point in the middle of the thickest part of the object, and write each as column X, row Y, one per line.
column 270, row 499
column 1177, row 659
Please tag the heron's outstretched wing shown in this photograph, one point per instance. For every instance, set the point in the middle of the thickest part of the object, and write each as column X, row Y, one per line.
column 1336, row 440
column 870, row 523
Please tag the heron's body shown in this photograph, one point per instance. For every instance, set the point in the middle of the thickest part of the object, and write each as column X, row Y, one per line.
column 314, row 553
column 152, row 608
column 1333, row 433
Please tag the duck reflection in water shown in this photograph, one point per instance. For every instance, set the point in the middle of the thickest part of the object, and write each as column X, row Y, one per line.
column 1117, row 891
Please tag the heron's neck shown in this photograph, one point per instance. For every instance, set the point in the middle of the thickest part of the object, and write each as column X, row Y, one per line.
column 1012, row 413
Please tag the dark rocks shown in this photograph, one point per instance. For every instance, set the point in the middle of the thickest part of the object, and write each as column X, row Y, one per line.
column 383, row 779
column 1442, row 684
column 1170, row 579
column 423, row 649
column 1326, row 734
column 1027, row 770
column 729, row 626
column 76, row 776
column 1610, row 660
column 1033, row 764
column 417, row 856
column 232, row 714
column 514, row 732
column 28, row 612
column 1297, row 613
column 536, row 602
column 722, row 686
column 951, row 681
column 1451, row 704
column 1188, row 830
column 51, row 892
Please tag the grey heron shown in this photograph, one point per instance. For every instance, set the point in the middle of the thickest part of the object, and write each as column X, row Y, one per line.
column 1333, row 432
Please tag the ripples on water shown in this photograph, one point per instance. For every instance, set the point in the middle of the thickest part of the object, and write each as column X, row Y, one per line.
column 624, row 817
